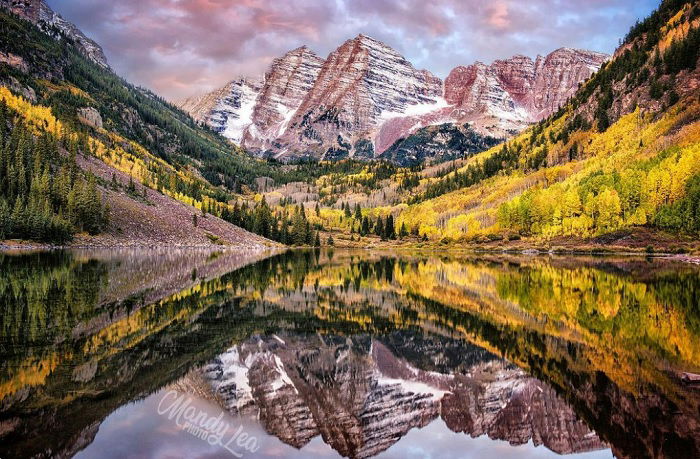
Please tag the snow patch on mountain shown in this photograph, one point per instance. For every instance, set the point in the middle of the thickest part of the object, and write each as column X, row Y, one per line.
column 415, row 109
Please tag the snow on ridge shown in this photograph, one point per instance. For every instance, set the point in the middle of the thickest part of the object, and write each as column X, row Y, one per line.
column 415, row 110
column 235, row 126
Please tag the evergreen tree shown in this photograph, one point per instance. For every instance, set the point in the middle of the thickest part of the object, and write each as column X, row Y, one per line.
column 389, row 230
column 38, row 187
column 262, row 219
column 379, row 228
column 5, row 222
column 364, row 231
column 308, row 234
column 284, row 231
column 298, row 232
column 403, row 232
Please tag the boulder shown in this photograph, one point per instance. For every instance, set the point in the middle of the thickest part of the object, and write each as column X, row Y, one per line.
column 90, row 116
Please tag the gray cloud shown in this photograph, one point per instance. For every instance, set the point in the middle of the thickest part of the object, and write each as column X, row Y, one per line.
column 184, row 47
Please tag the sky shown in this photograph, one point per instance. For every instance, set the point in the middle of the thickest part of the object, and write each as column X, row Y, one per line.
column 180, row 48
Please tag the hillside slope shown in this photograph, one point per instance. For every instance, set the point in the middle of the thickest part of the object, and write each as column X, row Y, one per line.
column 73, row 131
column 624, row 154
column 119, row 211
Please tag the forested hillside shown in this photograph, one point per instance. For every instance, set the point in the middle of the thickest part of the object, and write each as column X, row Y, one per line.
column 43, row 195
column 59, row 106
column 623, row 153
column 52, row 72
column 64, row 115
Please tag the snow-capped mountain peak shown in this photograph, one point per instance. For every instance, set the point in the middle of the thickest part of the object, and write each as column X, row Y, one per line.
column 365, row 95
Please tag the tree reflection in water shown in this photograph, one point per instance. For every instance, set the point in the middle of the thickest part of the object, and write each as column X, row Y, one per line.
column 378, row 343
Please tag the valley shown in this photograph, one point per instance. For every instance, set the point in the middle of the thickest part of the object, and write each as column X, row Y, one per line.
column 573, row 151
column 391, row 229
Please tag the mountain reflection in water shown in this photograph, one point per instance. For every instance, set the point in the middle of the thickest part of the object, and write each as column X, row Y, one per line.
column 353, row 350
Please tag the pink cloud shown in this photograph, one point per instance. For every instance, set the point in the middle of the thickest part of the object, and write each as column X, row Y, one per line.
column 498, row 15
column 184, row 47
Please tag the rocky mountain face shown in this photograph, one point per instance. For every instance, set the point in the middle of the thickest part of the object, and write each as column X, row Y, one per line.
column 509, row 94
column 362, row 84
column 39, row 13
column 227, row 110
column 503, row 98
column 287, row 84
column 365, row 97
column 361, row 398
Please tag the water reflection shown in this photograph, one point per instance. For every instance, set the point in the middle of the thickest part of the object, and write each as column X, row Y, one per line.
column 356, row 348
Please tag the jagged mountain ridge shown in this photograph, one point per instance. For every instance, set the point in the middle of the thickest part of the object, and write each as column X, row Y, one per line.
column 39, row 13
column 361, row 84
column 287, row 83
column 228, row 109
column 365, row 96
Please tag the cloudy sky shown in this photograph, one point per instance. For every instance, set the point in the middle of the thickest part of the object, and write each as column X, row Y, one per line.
column 180, row 48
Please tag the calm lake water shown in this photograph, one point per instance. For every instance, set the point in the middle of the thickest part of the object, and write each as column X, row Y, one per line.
column 114, row 354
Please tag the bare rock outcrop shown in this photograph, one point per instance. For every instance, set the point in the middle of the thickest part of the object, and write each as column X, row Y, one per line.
column 90, row 116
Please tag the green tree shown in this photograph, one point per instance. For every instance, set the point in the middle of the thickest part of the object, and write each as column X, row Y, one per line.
column 379, row 228
column 389, row 230
column 403, row 232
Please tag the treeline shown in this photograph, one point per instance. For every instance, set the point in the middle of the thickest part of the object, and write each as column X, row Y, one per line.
column 366, row 225
column 638, row 66
column 652, row 25
column 43, row 196
column 504, row 159
column 683, row 54
column 684, row 215
column 662, row 192
column 289, row 228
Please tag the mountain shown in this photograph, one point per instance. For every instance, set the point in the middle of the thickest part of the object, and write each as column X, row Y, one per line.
column 361, row 398
column 515, row 92
column 39, row 13
column 361, row 84
column 141, row 166
column 365, row 96
column 618, row 164
column 227, row 110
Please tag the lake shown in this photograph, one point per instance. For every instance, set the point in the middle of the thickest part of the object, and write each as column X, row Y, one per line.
column 340, row 353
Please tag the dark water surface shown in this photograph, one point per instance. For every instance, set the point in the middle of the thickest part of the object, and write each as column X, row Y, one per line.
column 112, row 354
